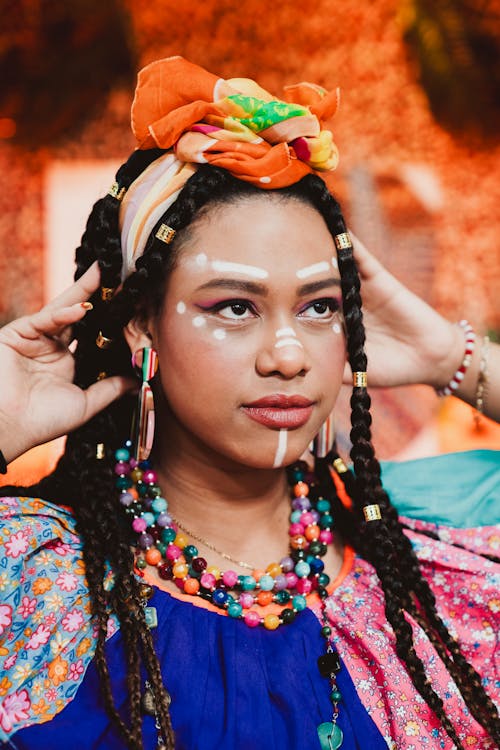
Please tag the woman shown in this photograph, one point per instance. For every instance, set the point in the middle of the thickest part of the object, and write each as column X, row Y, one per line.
column 231, row 284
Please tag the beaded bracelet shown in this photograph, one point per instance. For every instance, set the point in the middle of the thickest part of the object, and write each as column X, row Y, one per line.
column 470, row 338
column 3, row 464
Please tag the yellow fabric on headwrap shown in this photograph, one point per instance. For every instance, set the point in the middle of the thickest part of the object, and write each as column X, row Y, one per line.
column 234, row 124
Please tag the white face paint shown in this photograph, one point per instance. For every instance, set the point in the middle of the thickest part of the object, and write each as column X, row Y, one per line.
column 219, row 334
column 224, row 266
column 201, row 260
column 281, row 449
column 287, row 337
column 335, row 262
column 336, row 328
column 198, row 321
column 181, row 307
column 304, row 273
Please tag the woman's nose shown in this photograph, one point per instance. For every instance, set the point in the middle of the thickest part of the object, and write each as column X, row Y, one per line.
column 282, row 354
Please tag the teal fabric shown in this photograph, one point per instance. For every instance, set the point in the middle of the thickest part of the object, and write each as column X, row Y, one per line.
column 455, row 489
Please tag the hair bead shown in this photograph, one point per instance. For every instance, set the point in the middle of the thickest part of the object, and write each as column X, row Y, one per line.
column 115, row 191
column 100, row 451
column 107, row 293
column 102, row 341
column 359, row 380
column 165, row 233
column 340, row 466
column 343, row 241
column 372, row 513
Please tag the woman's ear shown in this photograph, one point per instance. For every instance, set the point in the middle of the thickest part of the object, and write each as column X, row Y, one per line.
column 136, row 334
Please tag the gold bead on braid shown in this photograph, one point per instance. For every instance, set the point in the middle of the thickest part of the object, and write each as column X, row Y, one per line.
column 359, row 379
column 115, row 191
column 340, row 466
column 372, row 513
column 102, row 341
column 100, row 452
column 107, row 293
column 165, row 233
column 343, row 241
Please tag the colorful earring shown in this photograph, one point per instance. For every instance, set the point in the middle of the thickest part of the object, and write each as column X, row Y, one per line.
column 324, row 440
column 145, row 362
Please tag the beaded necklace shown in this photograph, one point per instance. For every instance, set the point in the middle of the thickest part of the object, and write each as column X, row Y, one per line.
column 160, row 543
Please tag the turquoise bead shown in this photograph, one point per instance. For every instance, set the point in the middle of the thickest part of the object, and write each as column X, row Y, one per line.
column 330, row 736
column 122, row 454
column 123, row 483
column 161, row 547
column 298, row 475
column 159, row 505
column 335, row 696
column 299, row 602
column 266, row 583
column 234, row 609
column 295, row 516
column 323, row 579
column 282, row 597
column 302, row 569
column 326, row 521
column 248, row 583
column 190, row 551
column 326, row 631
column 323, row 506
column 148, row 517
column 168, row 535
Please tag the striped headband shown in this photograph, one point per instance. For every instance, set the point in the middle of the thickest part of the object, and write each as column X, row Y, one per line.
column 234, row 124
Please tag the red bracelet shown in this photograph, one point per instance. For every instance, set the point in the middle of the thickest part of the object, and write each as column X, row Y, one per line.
column 470, row 339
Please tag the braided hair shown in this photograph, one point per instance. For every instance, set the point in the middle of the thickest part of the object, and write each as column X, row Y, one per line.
column 88, row 484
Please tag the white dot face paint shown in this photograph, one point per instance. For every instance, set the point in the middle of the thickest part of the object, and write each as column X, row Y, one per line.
column 336, row 328
column 335, row 262
column 281, row 449
column 198, row 321
column 201, row 260
column 304, row 273
column 219, row 334
column 224, row 266
column 181, row 307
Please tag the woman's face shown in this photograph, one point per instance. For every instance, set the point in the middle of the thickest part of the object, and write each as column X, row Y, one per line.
column 250, row 344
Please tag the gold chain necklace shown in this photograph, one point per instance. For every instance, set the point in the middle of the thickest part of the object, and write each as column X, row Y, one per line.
column 200, row 539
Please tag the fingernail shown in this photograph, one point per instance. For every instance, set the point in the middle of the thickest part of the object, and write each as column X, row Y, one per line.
column 87, row 305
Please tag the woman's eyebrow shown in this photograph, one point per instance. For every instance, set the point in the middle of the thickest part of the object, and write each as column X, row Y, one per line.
column 251, row 287
column 317, row 286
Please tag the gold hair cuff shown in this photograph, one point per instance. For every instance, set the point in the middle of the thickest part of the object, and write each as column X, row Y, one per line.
column 115, row 191
column 102, row 341
column 100, row 453
column 340, row 466
column 102, row 376
column 165, row 233
column 107, row 293
column 372, row 513
column 343, row 241
column 359, row 379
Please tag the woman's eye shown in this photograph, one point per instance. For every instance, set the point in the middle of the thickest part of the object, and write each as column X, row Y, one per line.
column 321, row 309
column 234, row 310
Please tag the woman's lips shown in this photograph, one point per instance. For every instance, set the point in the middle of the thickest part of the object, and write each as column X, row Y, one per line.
column 280, row 411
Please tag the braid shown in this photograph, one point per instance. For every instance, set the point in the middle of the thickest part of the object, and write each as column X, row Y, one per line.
column 88, row 484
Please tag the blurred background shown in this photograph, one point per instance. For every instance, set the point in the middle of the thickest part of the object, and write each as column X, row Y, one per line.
column 418, row 132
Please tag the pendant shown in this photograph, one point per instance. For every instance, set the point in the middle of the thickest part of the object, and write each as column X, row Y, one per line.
column 330, row 736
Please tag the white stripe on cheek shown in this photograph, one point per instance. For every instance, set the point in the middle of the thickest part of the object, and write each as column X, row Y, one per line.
column 303, row 273
column 281, row 449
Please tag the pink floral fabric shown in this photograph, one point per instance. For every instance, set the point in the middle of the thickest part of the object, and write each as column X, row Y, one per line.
column 467, row 590
column 46, row 634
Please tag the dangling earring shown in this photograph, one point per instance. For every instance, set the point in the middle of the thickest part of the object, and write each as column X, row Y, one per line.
column 325, row 438
column 145, row 363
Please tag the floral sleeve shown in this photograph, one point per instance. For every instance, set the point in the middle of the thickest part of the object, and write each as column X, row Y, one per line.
column 46, row 634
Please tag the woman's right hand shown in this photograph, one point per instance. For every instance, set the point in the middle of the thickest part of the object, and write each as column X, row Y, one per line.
column 38, row 400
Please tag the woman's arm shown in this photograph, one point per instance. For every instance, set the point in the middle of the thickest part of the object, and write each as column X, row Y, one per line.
column 38, row 400
column 409, row 342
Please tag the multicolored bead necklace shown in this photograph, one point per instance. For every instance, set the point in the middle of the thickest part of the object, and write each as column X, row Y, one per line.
column 161, row 544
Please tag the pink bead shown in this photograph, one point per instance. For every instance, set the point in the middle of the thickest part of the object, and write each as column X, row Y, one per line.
column 179, row 582
column 139, row 524
column 208, row 580
column 307, row 518
column 251, row 618
column 150, row 477
column 326, row 536
column 246, row 600
column 133, row 463
column 173, row 552
column 230, row 578
column 122, row 468
column 291, row 580
column 295, row 528
column 304, row 586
